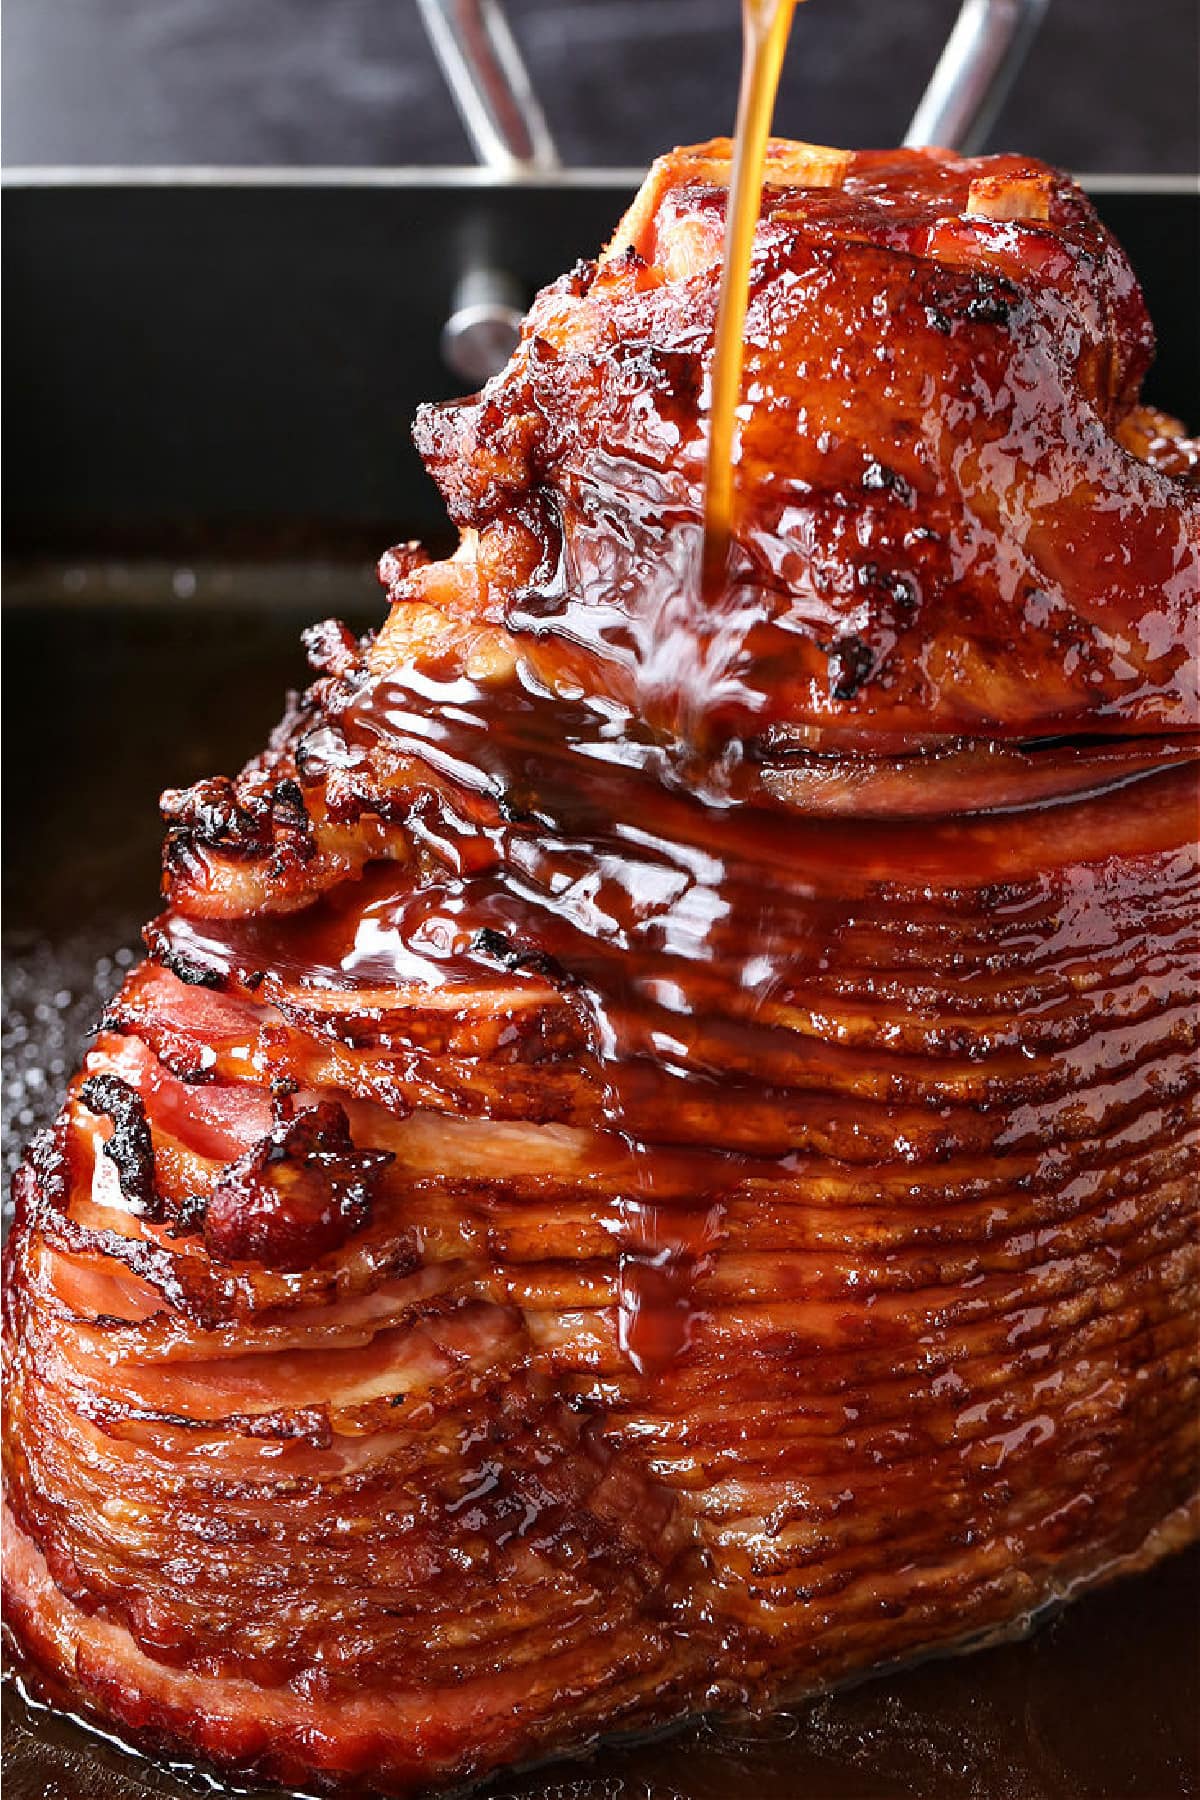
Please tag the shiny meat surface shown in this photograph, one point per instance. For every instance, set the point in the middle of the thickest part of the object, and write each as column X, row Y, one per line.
column 652, row 1164
column 938, row 530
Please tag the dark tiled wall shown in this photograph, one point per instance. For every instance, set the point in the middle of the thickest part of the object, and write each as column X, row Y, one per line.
column 1111, row 84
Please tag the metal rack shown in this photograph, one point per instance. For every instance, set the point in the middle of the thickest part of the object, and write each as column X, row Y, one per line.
column 495, row 98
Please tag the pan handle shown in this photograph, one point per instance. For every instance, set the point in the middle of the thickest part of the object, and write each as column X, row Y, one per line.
column 975, row 73
column 491, row 88
column 490, row 85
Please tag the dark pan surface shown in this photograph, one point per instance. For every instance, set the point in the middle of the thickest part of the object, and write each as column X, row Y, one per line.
column 106, row 702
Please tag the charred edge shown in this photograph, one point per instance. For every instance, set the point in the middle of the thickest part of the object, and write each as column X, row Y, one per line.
column 192, row 974
column 131, row 1147
column 189, row 1213
column 290, row 817
column 878, row 478
column 211, row 812
column 892, row 587
column 49, row 1162
column 494, row 945
column 990, row 305
column 850, row 664
column 213, row 815
column 980, row 298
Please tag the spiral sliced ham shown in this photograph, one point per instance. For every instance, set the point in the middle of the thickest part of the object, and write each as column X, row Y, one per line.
column 652, row 1164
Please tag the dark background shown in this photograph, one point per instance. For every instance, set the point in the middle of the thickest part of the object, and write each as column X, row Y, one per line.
column 1111, row 85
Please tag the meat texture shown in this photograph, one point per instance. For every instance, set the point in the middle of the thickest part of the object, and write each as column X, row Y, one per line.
column 652, row 1163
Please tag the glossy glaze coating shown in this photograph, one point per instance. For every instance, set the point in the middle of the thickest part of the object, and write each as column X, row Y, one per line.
column 653, row 1161
column 937, row 527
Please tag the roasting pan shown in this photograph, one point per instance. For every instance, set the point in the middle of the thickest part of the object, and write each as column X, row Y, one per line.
column 210, row 379
column 211, row 375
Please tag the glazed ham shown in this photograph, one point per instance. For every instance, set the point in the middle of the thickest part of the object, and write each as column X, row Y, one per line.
column 652, row 1163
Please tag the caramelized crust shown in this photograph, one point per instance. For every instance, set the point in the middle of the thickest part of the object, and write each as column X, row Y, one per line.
column 940, row 529
column 653, row 1162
